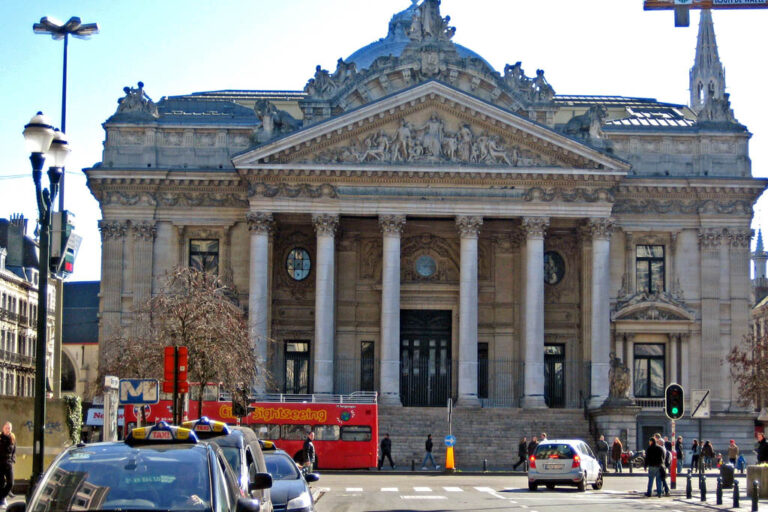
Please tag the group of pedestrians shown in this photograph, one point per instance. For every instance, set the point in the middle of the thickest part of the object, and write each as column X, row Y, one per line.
column 614, row 451
column 526, row 449
column 7, row 460
column 385, row 452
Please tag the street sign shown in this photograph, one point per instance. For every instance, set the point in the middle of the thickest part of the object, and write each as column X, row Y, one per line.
column 450, row 440
column 705, row 4
column 139, row 391
column 700, row 407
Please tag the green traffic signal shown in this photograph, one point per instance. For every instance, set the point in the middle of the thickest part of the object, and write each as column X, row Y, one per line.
column 673, row 401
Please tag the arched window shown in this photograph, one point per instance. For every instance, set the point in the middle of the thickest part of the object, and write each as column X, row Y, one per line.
column 68, row 375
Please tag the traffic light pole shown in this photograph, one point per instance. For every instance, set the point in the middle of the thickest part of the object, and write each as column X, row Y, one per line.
column 673, row 468
column 176, row 385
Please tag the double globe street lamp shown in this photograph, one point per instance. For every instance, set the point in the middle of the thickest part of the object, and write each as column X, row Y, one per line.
column 43, row 141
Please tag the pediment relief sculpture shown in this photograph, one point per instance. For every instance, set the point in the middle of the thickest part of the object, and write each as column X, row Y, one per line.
column 653, row 306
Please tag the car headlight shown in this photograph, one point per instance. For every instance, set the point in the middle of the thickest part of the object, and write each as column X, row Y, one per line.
column 301, row 501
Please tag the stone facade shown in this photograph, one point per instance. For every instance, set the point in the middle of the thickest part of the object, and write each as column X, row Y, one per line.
column 554, row 230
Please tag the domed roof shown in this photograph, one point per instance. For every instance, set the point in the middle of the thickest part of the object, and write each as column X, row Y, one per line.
column 396, row 41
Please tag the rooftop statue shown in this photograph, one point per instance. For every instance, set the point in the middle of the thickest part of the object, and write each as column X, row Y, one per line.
column 427, row 24
column 136, row 100
column 587, row 126
column 274, row 122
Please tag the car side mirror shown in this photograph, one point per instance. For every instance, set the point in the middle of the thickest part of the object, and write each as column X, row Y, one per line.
column 260, row 481
column 312, row 477
column 248, row 505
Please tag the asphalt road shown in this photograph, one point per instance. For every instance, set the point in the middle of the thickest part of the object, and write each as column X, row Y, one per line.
column 419, row 491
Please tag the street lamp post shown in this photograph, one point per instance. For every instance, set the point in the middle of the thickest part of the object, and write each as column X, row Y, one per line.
column 59, row 30
column 41, row 140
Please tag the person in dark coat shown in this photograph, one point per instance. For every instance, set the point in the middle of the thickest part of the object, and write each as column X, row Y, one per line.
column 616, row 450
column 522, row 453
column 695, row 454
column 679, row 452
column 309, row 451
column 386, row 451
column 7, row 460
column 761, row 448
column 654, row 459
column 532, row 446
column 602, row 453
column 428, row 453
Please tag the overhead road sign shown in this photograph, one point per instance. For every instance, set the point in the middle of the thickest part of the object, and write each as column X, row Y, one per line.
column 139, row 391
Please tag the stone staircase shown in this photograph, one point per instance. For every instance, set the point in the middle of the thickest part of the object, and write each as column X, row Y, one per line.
column 488, row 433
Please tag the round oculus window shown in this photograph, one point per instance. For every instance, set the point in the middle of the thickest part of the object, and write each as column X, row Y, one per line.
column 426, row 266
column 554, row 267
column 298, row 264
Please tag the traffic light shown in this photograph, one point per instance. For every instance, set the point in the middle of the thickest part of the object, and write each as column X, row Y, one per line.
column 65, row 243
column 673, row 402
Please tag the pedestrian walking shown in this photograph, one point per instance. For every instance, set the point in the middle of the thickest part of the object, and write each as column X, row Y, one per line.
column 654, row 458
column 708, row 452
column 695, row 453
column 616, row 450
column 428, row 454
column 522, row 453
column 602, row 453
column 386, row 451
column 679, row 450
column 309, row 451
column 761, row 448
column 733, row 452
column 664, row 470
column 7, row 460
column 532, row 446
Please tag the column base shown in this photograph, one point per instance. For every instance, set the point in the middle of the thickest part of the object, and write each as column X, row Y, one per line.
column 534, row 402
column 390, row 399
column 469, row 401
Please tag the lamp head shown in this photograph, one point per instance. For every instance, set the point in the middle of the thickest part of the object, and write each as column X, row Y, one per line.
column 38, row 134
column 59, row 149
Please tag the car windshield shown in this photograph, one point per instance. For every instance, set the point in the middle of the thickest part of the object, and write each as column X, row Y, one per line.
column 554, row 451
column 281, row 467
column 115, row 477
column 232, row 454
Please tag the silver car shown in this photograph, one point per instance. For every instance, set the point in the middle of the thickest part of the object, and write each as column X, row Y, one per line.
column 564, row 462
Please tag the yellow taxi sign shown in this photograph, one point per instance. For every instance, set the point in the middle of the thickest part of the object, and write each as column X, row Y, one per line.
column 206, row 427
column 267, row 445
column 162, row 432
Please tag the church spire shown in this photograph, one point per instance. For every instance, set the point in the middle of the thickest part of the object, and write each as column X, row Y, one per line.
column 707, row 74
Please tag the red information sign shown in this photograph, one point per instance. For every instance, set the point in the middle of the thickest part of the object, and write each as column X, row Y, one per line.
column 175, row 368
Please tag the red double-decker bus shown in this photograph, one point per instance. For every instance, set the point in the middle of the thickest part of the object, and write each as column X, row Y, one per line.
column 346, row 427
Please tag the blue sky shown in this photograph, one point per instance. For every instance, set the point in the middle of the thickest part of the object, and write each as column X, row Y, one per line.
column 178, row 47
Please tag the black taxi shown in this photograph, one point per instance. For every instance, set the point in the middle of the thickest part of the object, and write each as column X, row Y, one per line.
column 162, row 467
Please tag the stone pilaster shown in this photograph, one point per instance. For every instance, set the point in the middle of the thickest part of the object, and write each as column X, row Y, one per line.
column 533, row 311
column 600, row 230
column 469, row 229
column 325, row 227
column 739, row 255
column 260, row 226
column 144, row 234
column 710, row 242
column 391, row 228
column 112, row 262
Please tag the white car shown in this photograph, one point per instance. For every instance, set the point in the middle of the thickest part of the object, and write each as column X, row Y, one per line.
column 564, row 462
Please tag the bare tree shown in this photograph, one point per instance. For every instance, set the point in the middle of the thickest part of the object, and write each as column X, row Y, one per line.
column 749, row 368
column 197, row 310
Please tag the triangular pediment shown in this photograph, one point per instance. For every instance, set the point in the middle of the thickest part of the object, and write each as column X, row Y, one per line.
column 430, row 125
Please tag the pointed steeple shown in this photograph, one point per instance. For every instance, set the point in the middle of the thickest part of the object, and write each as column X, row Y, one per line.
column 759, row 246
column 707, row 74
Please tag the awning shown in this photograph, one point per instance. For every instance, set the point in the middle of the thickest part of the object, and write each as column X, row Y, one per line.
column 96, row 417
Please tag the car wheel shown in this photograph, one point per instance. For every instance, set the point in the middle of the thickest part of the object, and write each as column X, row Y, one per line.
column 582, row 486
column 599, row 482
column 550, row 486
column 532, row 486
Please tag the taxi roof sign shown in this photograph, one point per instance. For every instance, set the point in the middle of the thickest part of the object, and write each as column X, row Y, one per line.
column 206, row 427
column 162, row 432
column 267, row 445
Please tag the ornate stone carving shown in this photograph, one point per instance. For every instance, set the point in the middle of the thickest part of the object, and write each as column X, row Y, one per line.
column 428, row 25
column 468, row 225
column 137, row 101
column 653, row 306
column 128, row 198
column 325, row 85
column 740, row 238
column 535, row 227
column 717, row 110
column 284, row 284
column 392, row 223
column 168, row 198
column 325, row 224
column 534, row 89
column 710, row 238
column 587, row 126
column 260, row 222
column 445, row 253
column 370, row 258
column 112, row 230
column 274, row 122
column 145, row 231
column 618, row 377
column 285, row 190
column 601, row 228
column 737, row 207
column 568, row 195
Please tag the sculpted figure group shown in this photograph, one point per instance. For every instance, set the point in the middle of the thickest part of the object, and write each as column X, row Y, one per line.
column 136, row 100
column 535, row 89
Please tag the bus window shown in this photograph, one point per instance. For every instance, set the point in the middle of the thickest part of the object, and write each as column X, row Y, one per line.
column 356, row 433
column 327, row 432
column 266, row 431
column 294, row 432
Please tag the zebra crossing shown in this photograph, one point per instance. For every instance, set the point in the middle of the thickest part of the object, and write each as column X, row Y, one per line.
column 511, row 495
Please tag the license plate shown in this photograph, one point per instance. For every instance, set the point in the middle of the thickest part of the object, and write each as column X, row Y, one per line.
column 553, row 466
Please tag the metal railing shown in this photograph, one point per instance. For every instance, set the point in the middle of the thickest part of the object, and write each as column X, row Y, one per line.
column 358, row 397
column 7, row 356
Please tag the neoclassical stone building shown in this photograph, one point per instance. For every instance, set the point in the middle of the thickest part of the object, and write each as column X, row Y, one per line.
column 420, row 224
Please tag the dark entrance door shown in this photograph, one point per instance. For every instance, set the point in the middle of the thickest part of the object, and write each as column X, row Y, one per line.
column 554, row 375
column 297, row 367
column 425, row 357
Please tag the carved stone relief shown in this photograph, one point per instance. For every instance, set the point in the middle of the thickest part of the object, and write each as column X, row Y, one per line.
column 113, row 230
column 285, row 190
column 644, row 206
column 566, row 290
column 145, row 231
column 284, row 284
column 370, row 259
column 170, row 198
column 260, row 222
column 443, row 251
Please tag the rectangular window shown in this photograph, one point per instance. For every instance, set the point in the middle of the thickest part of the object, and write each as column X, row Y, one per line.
column 482, row 370
column 326, row 432
column 355, row 433
column 649, row 266
column 265, row 431
column 649, row 370
column 294, row 432
column 297, row 367
column 366, row 365
column 204, row 255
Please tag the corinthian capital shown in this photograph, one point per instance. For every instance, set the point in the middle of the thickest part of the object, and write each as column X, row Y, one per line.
column 535, row 227
column 601, row 228
column 325, row 224
column 260, row 222
column 392, row 224
column 145, row 231
column 740, row 237
column 469, row 226
column 710, row 238
column 112, row 230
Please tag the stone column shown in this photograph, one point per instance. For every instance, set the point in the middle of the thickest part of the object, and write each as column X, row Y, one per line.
column 261, row 226
column 673, row 357
column 112, row 262
column 704, row 372
column 325, row 226
column 469, row 228
column 600, row 230
column 143, row 237
column 533, row 311
column 391, row 228
column 630, row 255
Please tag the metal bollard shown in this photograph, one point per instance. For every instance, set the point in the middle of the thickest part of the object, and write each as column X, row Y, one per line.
column 413, row 465
column 629, row 463
column 703, row 488
column 735, row 494
column 688, row 487
column 485, row 465
column 755, row 494
column 719, row 493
